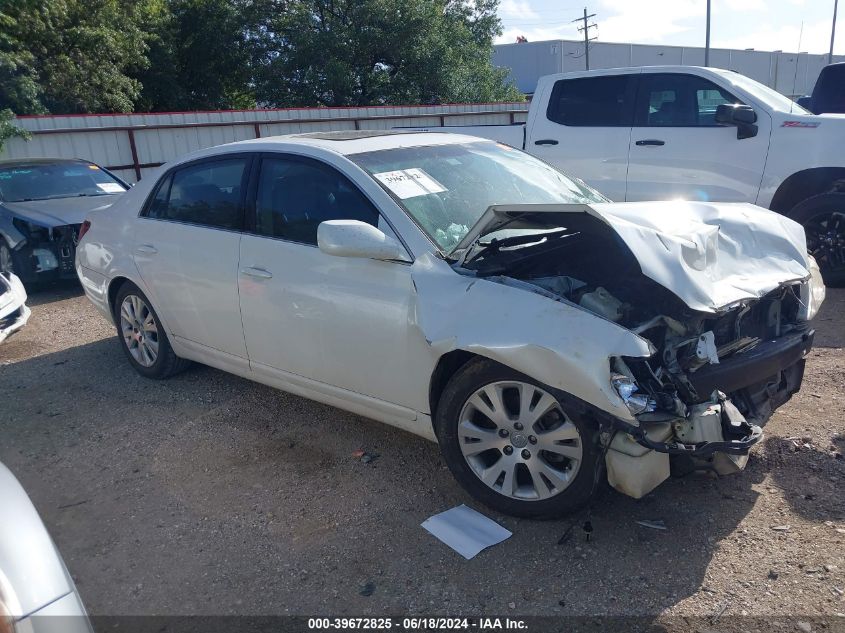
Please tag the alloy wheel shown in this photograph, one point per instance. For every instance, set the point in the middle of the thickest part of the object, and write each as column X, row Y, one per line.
column 518, row 441
column 826, row 241
column 139, row 330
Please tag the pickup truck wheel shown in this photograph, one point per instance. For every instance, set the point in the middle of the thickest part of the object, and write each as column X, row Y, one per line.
column 512, row 445
column 823, row 217
column 142, row 336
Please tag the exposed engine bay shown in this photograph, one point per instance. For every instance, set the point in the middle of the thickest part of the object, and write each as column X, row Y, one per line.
column 714, row 378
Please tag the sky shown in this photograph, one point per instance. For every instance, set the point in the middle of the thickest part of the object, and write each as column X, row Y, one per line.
column 759, row 24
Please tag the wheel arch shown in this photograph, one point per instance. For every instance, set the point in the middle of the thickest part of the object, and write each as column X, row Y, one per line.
column 447, row 366
column 114, row 287
column 805, row 184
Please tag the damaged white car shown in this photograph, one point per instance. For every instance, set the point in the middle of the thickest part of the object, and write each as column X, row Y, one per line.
column 472, row 294
column 14, row 312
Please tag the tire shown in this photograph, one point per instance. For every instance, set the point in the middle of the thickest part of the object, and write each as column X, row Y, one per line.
column 823, row 218
column 8, row 259
column 142, row 335
column 563, row 483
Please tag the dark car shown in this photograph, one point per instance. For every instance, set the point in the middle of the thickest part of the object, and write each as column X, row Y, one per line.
column 829, row 92
column 43, row 202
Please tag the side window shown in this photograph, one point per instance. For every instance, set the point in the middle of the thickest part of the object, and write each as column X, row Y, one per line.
column 679, row 101
column 592, row 101
column 294, row 196
column 208, row 194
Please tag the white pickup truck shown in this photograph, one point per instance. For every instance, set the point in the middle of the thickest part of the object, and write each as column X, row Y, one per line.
column 667, row 132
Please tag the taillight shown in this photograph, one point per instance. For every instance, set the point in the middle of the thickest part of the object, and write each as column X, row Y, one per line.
column 83, row 229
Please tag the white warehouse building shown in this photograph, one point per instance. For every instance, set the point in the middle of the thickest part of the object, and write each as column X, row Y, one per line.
column 793, row 74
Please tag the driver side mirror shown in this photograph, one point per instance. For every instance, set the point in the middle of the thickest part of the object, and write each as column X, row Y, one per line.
column 353, row 238
column 742, row 116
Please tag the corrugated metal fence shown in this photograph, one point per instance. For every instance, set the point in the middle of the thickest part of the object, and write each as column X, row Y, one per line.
column 132, row 144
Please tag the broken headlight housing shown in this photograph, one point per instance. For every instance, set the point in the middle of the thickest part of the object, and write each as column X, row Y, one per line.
column 812, row 292
column 31, row 230
column 636, row 401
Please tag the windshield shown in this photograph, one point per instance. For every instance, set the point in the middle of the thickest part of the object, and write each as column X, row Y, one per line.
column 42, row 181
column 447, row 188
column 764, row 93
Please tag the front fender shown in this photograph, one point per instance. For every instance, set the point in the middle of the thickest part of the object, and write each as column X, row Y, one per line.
column 556, row 343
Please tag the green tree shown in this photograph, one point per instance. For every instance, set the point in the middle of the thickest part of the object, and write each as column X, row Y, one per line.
column 70, row 55
column 198, row 54
column 363, row 52
column 9, row 130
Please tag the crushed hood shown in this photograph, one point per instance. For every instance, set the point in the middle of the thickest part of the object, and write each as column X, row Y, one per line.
column 710, row 255
column 59, row 211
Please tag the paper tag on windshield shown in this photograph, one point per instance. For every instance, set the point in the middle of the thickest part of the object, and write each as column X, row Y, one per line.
column 110, row 187
column 409, row 183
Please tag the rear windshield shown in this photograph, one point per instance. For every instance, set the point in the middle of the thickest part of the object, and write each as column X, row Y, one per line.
column 20, row 183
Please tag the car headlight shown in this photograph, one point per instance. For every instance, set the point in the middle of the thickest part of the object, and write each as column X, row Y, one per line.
column 812, row 292
column 636, row 401
column 30, row 230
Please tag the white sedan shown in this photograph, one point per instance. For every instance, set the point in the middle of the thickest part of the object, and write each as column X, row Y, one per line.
column 469, row 293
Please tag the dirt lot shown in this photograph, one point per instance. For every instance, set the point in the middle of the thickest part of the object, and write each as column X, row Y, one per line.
column 208, row 494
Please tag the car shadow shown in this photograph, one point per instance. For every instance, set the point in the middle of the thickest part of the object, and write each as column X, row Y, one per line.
column 830, row 321
column 206, row 462
column 44, row 293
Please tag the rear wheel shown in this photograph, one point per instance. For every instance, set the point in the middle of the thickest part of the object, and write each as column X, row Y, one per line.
column 512, row 445
column 823, row 218
column 142, row 337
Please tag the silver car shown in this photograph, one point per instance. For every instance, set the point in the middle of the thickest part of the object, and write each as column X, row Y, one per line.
column 37, row 594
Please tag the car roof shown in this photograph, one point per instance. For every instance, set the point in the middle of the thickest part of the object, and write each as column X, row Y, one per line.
column 358, row 141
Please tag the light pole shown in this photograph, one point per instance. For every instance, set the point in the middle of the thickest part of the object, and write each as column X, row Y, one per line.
column 832, row 33
column 707, row 38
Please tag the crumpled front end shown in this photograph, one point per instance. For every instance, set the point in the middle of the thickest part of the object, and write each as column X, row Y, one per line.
column 723, row 300
column 44, row 253
column 14, row 312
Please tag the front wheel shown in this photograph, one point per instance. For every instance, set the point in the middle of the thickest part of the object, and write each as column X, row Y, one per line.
column 823, row 218
column 512, row 445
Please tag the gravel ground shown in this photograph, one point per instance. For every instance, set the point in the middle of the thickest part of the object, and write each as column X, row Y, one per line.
column 209, row 494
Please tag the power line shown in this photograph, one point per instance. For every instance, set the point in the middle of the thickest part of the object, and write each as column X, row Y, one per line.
column 586, row 29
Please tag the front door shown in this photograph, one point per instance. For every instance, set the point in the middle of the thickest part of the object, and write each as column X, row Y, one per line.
column 336, row 321
column 678, row 150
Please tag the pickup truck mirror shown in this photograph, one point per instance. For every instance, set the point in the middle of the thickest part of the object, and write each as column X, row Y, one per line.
column 742, row 116
column 353, row 238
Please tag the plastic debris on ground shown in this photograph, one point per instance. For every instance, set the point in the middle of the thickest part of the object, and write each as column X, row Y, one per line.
column 465, row 530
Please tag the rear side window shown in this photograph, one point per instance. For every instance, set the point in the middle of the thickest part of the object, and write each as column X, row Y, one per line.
column 207, row 194
column 593, row 101
column 294, row 196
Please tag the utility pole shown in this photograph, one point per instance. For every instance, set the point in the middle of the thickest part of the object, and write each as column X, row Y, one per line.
column 832, row 33
column 586, row 28
column 707, row 38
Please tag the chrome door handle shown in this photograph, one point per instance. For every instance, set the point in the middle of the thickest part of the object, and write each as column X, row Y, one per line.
column 650, row 142
column 260, row 273
column 146, row 249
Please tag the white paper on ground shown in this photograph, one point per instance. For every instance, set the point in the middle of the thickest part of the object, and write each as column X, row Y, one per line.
column 465, row 530
column 410, row 183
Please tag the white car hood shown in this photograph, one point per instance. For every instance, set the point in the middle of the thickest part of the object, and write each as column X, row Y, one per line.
column 710, row 255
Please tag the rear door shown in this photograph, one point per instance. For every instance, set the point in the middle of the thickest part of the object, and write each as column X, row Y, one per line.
column 187, row 243
column 585, row 129
column 678, row 150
